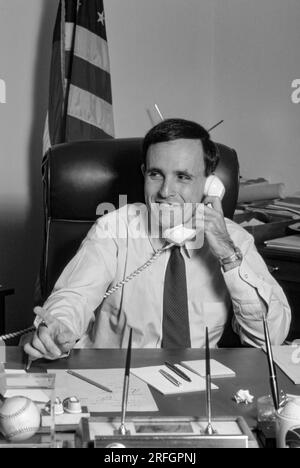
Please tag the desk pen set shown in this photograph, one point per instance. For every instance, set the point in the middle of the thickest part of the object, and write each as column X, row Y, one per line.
column 160, row 431
column 166, row 431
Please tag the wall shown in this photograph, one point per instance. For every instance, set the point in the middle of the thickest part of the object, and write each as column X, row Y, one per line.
column 205, row 60
column 257, row 56
column 210, row 60
column 25, row 45
column 160, row 52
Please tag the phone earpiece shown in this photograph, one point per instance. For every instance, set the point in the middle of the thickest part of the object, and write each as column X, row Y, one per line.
column 214, row 187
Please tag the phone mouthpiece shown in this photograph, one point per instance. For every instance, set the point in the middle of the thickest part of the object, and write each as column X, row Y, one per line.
column 179, row 235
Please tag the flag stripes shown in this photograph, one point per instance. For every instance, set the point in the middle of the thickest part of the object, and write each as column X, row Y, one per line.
column 88, row 46
column 91, row 109
column 77, row 127
column 80, row 95
column 91, row 79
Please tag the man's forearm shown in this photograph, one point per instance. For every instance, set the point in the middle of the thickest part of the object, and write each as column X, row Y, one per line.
column 252, row 298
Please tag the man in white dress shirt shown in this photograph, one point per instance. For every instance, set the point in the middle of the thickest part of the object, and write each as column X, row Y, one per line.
column 225, row 272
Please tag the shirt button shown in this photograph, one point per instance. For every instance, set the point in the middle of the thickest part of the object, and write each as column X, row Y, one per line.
column 246, row 276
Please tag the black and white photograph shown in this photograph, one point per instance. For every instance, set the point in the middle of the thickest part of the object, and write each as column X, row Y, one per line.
column 149, row 226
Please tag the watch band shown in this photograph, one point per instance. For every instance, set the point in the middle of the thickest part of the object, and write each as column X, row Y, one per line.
column 231, row 266
column 232, row 261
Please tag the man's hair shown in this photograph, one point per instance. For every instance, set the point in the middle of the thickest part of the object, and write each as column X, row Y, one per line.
column 175, row 129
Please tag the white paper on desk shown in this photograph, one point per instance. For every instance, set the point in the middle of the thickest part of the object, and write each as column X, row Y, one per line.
column 152, row 376
column 288, row 359
column 34, row 394
column 16, row 379
column 217, row 370
column 97, row 400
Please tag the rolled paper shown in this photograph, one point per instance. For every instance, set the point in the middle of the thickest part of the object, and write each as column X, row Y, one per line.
column 255, row 192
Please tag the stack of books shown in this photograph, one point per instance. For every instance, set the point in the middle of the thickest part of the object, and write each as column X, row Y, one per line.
column 265, row 211
column 284, row 207
column 290, row 204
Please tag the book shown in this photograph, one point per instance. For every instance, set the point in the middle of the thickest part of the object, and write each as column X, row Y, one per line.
column 291, row 243
column 283, row 249
column 152, row 377
column 286, row 209
column 257, row 192
column 274, row 212
column 217, row 369
column 290, row 202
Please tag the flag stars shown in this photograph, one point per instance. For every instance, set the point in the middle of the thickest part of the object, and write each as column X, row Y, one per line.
column 101, row 17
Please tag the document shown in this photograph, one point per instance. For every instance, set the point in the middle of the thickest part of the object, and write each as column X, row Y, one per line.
column 101, row 401
column 19, row 382
column 38, row 396
column 152, row 376
column 217, row 370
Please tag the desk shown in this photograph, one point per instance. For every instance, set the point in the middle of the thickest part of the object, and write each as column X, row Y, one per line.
column 249, row 364
column 285, row 267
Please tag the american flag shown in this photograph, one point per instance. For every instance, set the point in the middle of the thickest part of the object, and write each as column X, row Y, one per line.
column 80, row 97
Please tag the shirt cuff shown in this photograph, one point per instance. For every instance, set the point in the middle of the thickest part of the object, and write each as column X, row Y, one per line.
column 38, row 320
column 244, row 285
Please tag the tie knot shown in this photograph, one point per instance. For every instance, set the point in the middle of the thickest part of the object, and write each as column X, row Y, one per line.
column 176, row 255
column 176, row 250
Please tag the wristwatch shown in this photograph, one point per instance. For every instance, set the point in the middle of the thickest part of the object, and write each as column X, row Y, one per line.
column 234, row 260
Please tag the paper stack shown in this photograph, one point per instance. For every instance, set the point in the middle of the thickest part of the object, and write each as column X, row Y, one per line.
column 151, row 375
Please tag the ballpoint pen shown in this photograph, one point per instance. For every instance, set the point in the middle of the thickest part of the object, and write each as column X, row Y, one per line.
column 122, row 428
column 159, row 113
column 216, row 125
column 209, row 428
column 177, row 371
column 272, row 370
column 86, row 379
column 42, row 324
column 169, row 377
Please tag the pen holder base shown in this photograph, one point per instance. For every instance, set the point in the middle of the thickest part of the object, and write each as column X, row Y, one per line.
column 167, row 432
column 122, row 432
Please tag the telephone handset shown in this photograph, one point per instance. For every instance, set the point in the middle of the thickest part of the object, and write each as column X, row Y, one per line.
column 181, row 234
column 214, row 187
column 177, row 235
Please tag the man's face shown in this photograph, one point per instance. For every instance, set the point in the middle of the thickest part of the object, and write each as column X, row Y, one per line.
column 174, row 173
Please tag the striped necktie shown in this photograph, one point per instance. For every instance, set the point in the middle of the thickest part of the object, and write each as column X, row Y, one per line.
column 176, row 330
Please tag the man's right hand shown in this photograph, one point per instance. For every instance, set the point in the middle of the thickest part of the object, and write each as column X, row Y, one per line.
column 51, row 339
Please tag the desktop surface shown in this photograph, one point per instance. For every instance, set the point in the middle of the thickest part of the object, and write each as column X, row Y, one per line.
column 250, row 365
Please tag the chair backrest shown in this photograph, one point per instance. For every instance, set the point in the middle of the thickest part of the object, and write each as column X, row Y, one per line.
column 79, row 176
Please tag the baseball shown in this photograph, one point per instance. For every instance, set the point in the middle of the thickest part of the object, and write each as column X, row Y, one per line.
column 19, row 418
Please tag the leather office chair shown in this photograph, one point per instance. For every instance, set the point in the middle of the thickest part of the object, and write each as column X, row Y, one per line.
column 79, row 176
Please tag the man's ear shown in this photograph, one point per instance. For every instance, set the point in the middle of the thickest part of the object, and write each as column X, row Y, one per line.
column 143, row 169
